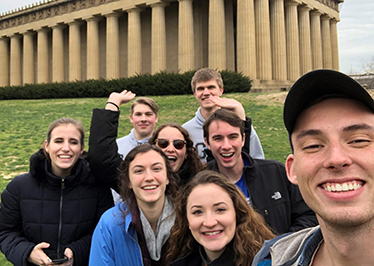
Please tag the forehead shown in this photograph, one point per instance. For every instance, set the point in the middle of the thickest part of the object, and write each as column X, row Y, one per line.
column 147, row 158
column 211, row 82
column 171, row 133
column 219, row 127
column 334, row 113
column 142, row 108
column 215, row 194
column 65, row 130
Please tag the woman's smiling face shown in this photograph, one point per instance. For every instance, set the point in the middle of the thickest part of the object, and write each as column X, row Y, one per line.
column 212, row 218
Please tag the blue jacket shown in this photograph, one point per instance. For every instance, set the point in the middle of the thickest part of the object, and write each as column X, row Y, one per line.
column 114, row 241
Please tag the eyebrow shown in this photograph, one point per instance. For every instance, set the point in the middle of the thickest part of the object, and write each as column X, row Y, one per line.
column 215, row 204
column 142, row 166
column 315, row 132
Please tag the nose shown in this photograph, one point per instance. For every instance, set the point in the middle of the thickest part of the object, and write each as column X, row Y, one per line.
column 337, row 158
column 206, row 91
column 170, row 146
column 66, row 146
column 226, row 144
column 148, row 175
column 209, row 220
column 144, row 117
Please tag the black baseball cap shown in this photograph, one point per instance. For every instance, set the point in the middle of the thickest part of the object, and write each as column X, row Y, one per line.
column 319, row 84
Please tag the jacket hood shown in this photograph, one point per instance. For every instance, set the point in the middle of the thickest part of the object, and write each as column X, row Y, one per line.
column 40, row 169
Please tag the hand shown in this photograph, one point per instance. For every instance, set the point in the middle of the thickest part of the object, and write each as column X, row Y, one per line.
column 229, row 104
column 37, row 255
column 69, row 253
column 119, row 99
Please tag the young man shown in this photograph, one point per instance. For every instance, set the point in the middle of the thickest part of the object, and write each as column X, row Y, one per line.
column 104, row 158
column 263, row 182
column 207, row 87
column 330, row 121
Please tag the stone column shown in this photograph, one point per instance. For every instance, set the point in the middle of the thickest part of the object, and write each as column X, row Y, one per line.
column 28, row 57
column 246, row 38
column 217, row 35
column 334, row 44
column 305, row 45
column 134, row 48
column 263, row 44
column 186, row 51
column 316, row 39
column 326, row 42
column 58, row 71
column 278, row 38
column 15, row 60
column 158, row 38
column 4, row 61
column 42, row 54
column 112, row 46
column 75, row 51
column 230, row 36
column 292, row 39
column 93, row 65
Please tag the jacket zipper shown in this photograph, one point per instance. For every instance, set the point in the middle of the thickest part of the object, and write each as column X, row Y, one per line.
column 60, row 220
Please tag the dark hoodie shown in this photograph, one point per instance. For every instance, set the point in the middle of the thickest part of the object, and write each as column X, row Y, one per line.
column 39, row 207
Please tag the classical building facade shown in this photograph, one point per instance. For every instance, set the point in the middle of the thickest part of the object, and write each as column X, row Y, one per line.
column 272, row 41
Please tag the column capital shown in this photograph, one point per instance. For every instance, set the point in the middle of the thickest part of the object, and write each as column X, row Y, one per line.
column 15, row 35
column 74, row 22
column 185, row 0
column 159, row 4
column 292, row 2
column 316, row 12
column 326, row 17
column 28, row 32
column 58, row 26
column 42, row 29
column 305, row 7
column 112, row 14
column 134, row 9
column 92, row 18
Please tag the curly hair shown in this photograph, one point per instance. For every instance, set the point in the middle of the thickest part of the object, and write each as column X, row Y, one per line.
column 193, row 160
column 251, row 230
column 126, row 193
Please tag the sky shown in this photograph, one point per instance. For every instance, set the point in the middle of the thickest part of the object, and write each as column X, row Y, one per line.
column 355, row 32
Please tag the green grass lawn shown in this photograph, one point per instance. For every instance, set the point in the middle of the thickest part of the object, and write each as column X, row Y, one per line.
column 24, row 123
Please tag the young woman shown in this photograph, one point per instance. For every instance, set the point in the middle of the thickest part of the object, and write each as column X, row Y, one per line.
column 136, row 230
column 214, row 224
column 177, row 145
column 54, row 208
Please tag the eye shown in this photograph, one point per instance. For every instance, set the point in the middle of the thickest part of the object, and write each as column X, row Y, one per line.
column 217, row 138
column 157, row 168
column 312, row 147
column 138, row 171
column 220, row 209
column 197, row 212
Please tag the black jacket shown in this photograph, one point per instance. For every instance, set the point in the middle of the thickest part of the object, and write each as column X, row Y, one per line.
column 35, row 204
column 274, row 196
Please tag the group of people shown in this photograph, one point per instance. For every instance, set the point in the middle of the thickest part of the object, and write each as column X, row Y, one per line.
column 201, row 193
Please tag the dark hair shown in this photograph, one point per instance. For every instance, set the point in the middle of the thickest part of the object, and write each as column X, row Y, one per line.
column 251, row 230
column 126, row 193
column 206, row 74
column 193, row 160
column 226, row 116
column 59, row 122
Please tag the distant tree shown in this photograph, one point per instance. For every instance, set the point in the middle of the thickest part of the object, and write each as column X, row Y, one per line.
column 368, row 67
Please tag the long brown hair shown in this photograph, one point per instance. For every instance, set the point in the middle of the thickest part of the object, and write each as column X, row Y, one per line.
column 251, row 230
column 126, row 193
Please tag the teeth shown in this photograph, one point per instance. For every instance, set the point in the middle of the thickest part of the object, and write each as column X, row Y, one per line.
column 342, row 187
column 227, row 154
column 65, row 156
column 212, row 233
column 149, row 187
column 172, row 158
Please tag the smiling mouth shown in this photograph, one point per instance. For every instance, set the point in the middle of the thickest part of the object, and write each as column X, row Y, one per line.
column 65, row 156
column 212, row 233
column 342, row 187
column 227, row 155
column 172, row 158
column 149, row 187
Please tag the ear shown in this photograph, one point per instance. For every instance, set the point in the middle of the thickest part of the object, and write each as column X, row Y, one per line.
column 290, row 169
column 206, row 143
column 46, row 146
column 243, row 140
column 221, row 91
column 131, row 121
column 156, row 120
column 129, row 185
column 167, row 181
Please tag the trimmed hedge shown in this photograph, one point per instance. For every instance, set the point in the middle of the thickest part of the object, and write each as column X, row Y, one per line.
column 162, row 83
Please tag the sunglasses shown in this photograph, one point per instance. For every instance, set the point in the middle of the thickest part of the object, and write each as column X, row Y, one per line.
column 163, row 143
